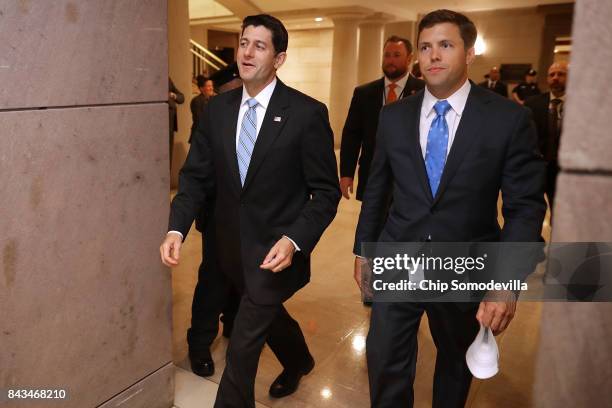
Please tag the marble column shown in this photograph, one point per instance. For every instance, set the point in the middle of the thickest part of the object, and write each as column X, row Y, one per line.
column 344, row 69
column 574, row 362
column 85, row 302
column 370, row 48
column 179, row 69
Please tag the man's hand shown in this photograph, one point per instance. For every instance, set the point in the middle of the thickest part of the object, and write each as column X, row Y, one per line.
column 497, row 310
column 346, row 186
column 362, row 276
column 170, row 249
column 280, row 256
column 359, row 263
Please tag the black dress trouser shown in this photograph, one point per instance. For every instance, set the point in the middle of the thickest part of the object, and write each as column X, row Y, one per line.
column 391, row 350
column 255, row 325
column 214, row 294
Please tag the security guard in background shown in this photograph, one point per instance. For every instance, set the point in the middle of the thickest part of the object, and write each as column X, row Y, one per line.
column 527, row 88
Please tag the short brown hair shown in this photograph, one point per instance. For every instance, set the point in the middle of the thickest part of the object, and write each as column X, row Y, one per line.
column 396, row 39
column 467, row 28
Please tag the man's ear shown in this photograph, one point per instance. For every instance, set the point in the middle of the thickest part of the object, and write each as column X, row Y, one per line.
column 470, row 56
column 279, row 60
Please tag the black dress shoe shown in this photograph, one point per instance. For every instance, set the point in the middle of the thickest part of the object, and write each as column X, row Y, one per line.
column 204, row 366
column 287, row 382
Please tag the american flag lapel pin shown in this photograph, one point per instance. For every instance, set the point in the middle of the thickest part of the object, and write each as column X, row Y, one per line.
column 277, row 118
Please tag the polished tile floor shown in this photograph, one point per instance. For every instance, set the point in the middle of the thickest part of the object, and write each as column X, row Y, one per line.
column 335, row 324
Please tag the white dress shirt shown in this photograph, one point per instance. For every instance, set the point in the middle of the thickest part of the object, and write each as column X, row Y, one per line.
column 263, row 100
column 453, row 116
column 399, row 89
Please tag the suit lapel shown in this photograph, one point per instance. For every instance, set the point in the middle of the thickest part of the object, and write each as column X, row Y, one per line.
column 273, row 122
column 378, row 96
column 467, row 133
column 228, row 134
column 413, row 120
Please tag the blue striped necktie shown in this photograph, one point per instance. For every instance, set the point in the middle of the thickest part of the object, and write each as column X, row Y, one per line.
column 437, row 143
column 247, row 138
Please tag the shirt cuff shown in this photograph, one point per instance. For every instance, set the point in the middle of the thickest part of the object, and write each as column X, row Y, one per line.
column 176, row 232
column 297, row 248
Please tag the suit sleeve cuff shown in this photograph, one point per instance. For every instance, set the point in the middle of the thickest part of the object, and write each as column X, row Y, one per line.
column 176, row 232
column 297, row 248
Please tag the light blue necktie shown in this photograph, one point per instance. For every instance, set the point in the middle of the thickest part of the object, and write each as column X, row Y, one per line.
column 437, row 143
column 246, row 139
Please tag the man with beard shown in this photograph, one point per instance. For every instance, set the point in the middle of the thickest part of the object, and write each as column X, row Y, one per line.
column 359, row 133
column 547, row 111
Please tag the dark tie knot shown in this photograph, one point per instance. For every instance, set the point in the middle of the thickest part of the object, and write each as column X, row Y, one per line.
column 252, row 103
column 442, row 107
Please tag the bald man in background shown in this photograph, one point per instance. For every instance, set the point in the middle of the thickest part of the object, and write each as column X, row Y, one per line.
column 494, row 84
column 547, row 111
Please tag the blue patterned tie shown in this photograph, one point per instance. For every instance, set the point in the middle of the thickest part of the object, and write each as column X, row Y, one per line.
column 246, row 139
column 437, row 143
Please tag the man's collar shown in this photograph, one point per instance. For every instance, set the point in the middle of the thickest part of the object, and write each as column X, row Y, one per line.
column 401, row 83
column 263, row 97
column 457, row 100
column 552, row 96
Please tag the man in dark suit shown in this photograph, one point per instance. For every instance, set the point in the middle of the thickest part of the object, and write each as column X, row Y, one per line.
column 494, row 84
column 214, row 294
column 445, row 152
column 359, row 133
column 547, row 111
column 268, row 155
column 175, row 97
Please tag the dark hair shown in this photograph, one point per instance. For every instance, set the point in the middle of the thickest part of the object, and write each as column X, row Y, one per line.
column 201, row 80
column 396, row 39
column 280, row 37
column 466, row 26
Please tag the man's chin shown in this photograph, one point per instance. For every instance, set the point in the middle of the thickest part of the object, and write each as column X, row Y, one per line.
column 394, row 75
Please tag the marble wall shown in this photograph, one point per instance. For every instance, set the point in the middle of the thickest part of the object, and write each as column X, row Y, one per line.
column 86, row 304
column 574, row 360
column 308, row 64
column 511, row 36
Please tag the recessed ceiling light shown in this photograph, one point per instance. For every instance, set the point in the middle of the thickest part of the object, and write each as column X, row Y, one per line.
column 318, row 19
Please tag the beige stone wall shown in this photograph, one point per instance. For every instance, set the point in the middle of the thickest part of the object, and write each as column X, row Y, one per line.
column 512, row 37
column 308, row 65
column 85, row 303
column 179, row 67
column 574, row 362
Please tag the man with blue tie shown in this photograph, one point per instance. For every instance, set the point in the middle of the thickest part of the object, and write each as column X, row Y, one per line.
column 266, row 152
column 445, row 153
